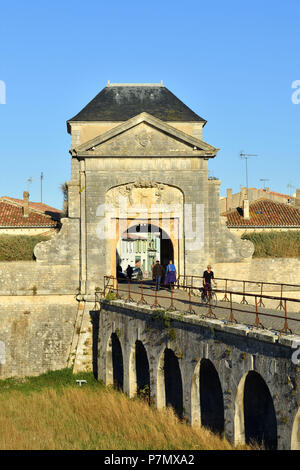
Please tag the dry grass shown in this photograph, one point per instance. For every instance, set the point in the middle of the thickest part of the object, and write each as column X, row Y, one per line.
column 93, row 418
column 275, row 245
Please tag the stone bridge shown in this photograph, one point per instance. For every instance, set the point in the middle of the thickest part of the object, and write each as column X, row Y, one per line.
column 232, row 379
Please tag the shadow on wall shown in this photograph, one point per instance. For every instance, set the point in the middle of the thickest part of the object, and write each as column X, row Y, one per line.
column 211, row 398
column 173, row 382
column 259, row 413
column 95, row 316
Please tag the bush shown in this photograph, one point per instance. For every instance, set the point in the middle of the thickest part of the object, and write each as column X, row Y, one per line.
column 275, row 244
column 19, row 247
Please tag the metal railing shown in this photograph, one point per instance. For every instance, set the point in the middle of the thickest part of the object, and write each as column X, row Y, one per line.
column 262, row 286
column 183, row 294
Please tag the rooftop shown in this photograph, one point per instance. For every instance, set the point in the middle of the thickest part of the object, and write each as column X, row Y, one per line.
column 264, row 213
column 40, row 215
column 122, row 101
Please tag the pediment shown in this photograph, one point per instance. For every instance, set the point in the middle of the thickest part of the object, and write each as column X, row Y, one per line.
column 144, row 135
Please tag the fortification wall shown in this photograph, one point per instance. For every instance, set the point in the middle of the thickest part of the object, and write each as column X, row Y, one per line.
column 28, row 277
column 39, row 308
column 35, row 333
column 278, row 270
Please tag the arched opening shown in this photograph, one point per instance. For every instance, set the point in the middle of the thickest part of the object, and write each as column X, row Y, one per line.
column 117, row 362
column 211, row 397
column 295, row 441
column 173, row 382
column 260, row 424
column 142, row 371
column 140, row 246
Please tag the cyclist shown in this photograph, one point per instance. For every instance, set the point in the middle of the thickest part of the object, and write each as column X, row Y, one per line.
column 208, row 277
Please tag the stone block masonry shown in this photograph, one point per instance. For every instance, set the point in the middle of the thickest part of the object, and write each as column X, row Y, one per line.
column 35, row 333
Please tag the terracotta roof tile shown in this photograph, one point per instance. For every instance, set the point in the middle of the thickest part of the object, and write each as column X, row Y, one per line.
column 265, row 213
column 40, row 206
column 11, row 215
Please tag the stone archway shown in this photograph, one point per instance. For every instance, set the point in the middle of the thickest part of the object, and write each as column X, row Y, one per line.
column 143, row 244
column 114, row 363
column 211, row 397
column 144, row 202
column 255, row 417
column 142, row 371
column 173, row 382
column 207, row 404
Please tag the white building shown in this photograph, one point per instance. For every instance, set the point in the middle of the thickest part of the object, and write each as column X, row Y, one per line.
column 139, row 250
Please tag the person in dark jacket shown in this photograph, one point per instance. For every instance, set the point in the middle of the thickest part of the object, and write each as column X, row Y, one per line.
column 129, row 271
column 157, row 272
column 208, row 278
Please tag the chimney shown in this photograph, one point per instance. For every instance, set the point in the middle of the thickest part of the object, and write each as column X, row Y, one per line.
column 246, row 209
column 25, row 204
column 297, row 200
column 243, row 195
column 229, row 199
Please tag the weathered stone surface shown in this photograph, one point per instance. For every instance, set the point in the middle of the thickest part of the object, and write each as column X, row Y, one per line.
column 233, row 352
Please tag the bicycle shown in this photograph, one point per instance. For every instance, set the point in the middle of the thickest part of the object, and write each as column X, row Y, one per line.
column 209, row 297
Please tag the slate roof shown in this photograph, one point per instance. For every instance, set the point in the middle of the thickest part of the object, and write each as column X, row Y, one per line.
column 264, row 213
column 11, row 214
column 122, row 102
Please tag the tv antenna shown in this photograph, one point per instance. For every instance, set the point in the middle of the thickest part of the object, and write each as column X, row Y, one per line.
column 246, row 156
column 264, row 180
column 29, row 181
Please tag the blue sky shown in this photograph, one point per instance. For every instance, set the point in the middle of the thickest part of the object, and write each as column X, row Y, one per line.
column 232, row 62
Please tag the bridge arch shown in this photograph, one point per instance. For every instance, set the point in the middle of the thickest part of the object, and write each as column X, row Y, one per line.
column 255, row 417
column 139, row 371
column 114, row 362
column 169, row 382
column 295, row 440
column 207, row 404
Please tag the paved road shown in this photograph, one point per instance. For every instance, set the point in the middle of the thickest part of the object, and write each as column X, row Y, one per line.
column 270, row 318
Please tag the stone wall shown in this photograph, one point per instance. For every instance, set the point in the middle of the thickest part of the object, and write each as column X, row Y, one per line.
column 278, row 270
column 39, row 307
column 36, row 333
column 28, row 277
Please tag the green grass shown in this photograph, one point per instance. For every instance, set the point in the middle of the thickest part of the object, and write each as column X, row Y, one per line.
column 56, row 380
column 275, row 244
column 19, row 247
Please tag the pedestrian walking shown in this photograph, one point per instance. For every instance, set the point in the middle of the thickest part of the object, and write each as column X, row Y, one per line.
column 129, row 272
column 170, row 274
column 158, row 271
